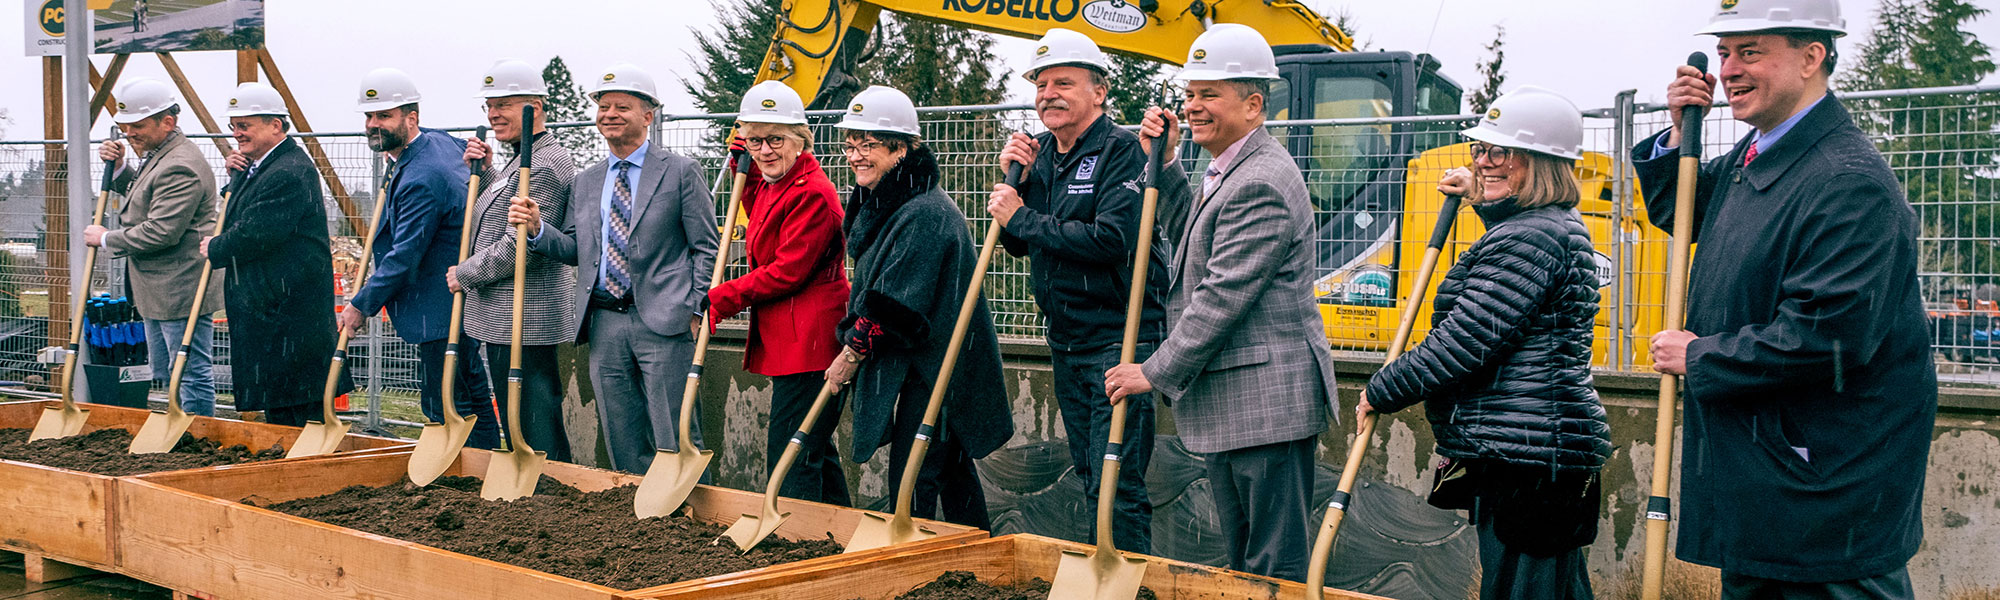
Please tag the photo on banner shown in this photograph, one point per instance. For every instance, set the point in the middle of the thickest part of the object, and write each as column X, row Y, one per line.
column 130, row 26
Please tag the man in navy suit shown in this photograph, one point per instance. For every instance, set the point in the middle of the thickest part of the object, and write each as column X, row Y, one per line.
column 414, row 245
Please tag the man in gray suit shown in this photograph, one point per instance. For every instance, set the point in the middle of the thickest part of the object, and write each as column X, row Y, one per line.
column 169, row 206
column 642, row 233
column 1245, row 365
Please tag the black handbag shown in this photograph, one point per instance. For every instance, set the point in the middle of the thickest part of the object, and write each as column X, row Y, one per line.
column 1454, row 482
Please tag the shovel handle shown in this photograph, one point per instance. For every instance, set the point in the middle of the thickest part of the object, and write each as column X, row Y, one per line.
column 449, row 387
column 921, row 446
column 1659, row 507
column 517, row 442
column 1343, row 493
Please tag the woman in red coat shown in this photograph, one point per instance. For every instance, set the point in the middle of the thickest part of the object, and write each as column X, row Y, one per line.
column 796, row 290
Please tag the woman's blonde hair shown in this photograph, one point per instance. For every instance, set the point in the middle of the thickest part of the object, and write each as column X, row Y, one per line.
column 1545, row 180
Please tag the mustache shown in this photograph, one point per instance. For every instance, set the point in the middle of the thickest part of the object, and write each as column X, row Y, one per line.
column 1056, row 103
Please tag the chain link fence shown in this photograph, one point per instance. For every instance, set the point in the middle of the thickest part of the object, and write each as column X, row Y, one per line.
column 1372, row 183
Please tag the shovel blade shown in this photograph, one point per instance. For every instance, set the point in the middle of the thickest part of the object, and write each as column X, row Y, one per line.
column 59, row 421
column 161, row 432
column 669, row 481
column 513, row 475
column 1097, row 575
column 876, row 531
column 437, row 449
column 751, row 530
column 318, row 438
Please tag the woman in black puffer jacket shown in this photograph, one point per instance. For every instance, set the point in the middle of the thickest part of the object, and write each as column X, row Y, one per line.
column 1505, row 372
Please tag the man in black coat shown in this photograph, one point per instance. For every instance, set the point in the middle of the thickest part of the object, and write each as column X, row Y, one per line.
column 277, row 265
column 1810, row 388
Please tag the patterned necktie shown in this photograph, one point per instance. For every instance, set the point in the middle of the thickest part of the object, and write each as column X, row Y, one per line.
column 618, row 268
column 1751, row 155
column 1208, row 180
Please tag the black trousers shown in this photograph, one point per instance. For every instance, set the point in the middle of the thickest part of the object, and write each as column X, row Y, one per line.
column 541, row 396
column 1086, row 415
column 473, row 395
column 1894, row 585
column 1507, row 572
column 816, row 475
column 947, row 481
column 292, row 416
column 1262, row 499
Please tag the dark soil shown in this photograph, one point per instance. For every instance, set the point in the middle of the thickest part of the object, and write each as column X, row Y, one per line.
column 108, row 452
column 586, row 536
column 962, row 585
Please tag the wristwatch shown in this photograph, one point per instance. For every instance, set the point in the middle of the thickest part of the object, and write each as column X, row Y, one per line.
column 851, row 357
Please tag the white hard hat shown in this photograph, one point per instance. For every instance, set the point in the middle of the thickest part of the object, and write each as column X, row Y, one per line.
column 1532, row 118
column 881, row 108
column 511, row 77
column 1750, row 16
column 628, row 78
column 773, row 102
column 143, row 98
column 1062, row 47
column 1229, row 51
column 386, row 88
column 254, row 99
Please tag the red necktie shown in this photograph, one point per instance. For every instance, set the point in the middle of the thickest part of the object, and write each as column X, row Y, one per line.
column 1751, row 155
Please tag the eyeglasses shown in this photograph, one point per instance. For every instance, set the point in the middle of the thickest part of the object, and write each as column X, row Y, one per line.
column 509, row 107
column 776, row 141
column 861, row 148
column 1496, row 154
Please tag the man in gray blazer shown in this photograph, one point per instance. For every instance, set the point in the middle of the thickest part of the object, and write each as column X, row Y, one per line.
column 642, row 232
column 1245, row 365
column 170, row 204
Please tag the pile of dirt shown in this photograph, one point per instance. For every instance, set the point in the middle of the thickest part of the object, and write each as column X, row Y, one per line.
column 962, row 585
column 108, row 452
column 588, row 536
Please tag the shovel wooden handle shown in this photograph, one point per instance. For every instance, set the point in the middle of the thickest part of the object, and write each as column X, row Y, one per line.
column 360, row 278
column 194, row 311
column 691, row 393
column 449, row 387
column 516, row 442
column 922, row 445
column 1128, row 352
column 1343, row 494
column 1659, row 508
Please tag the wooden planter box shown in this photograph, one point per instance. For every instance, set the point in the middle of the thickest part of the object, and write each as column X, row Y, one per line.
column 1002, row 560
column 70, row 516
column 217, row 547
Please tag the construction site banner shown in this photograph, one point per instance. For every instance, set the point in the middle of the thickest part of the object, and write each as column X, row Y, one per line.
column 130, row 26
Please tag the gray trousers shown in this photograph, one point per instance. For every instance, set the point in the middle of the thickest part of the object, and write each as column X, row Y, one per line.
column 1262, row 499
column 1894, row 585
column 640, row 377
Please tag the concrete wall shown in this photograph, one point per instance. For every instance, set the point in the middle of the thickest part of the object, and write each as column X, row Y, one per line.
column 1421, row 552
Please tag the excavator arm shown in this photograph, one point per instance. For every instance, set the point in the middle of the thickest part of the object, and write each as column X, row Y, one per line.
column 818, row 42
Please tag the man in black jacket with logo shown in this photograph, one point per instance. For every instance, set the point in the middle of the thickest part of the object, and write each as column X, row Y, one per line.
column 1810, row 388
column 1076, row 216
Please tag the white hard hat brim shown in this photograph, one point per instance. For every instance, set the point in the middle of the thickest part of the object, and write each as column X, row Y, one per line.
column 1756, row 26
column 1081, row 63
column 773, row 119
column 375, row 105
column 865, row 126
column 257, row 113
column 1506, row 141
column 629, row 90
column 1216, row 75
column 125, row 118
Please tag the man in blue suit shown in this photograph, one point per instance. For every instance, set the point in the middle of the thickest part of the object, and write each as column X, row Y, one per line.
column 414, row 245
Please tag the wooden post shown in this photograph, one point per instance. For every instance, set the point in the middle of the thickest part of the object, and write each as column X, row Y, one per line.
column 104, row 84
column 55, row 203
column 355, row 226
column 246, row 66
column 194, row 101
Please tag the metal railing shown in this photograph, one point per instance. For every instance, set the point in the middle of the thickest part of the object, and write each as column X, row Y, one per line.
column 1942, row 144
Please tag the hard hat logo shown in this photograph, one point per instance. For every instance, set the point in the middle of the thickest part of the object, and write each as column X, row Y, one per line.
column 609, row 76
column 369, row 93
column 1200, row 54
column 1493, row 115
column 489, row 80
column 232, row 102
column 1042, row 51
column 769, row 103
column 121, row 106
column 1729, row 4
column 856, row 109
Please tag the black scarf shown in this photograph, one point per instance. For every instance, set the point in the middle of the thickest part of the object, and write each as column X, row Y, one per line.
column 868, row 210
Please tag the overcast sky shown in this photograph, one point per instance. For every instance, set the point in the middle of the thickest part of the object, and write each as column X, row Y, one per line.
column 1586, row 49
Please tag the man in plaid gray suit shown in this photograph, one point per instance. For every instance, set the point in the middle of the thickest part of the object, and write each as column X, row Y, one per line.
column 1245, row 365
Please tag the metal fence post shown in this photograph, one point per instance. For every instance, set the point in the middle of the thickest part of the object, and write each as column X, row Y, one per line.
column 1621, row 183
column 375, row 167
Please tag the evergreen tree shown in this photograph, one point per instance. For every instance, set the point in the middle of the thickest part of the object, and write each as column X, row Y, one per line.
column 1940, row 146
column 568, row 103
column 1135, row 86
column 730, row 56
column 937, row 64
column 1492, row 72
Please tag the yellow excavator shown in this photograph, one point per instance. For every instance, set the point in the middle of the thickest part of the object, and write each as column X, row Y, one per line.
column 1374, row 184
